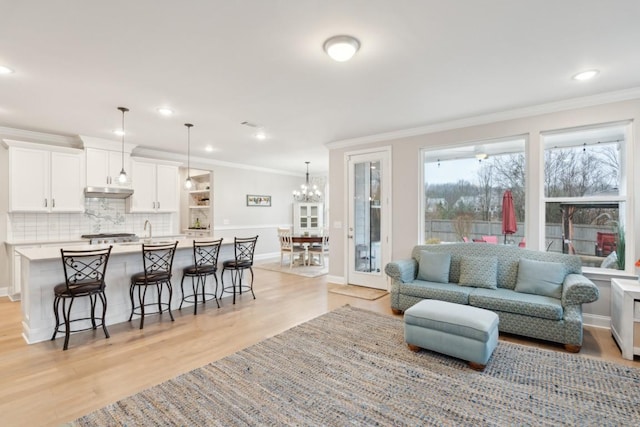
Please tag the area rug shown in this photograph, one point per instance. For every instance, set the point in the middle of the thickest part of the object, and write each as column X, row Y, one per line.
column 302, row 270
column 352, row 367
column 358, row 291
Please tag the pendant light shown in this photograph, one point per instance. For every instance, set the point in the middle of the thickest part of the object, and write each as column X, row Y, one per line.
column 307, row 192
column 122, row 178
column 188, row 183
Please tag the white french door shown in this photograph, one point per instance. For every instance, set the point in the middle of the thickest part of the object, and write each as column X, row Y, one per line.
column 369, row 218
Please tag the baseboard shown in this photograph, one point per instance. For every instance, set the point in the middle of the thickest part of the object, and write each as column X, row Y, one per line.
column 4, row 291
column 596, row 320
column 339, row 280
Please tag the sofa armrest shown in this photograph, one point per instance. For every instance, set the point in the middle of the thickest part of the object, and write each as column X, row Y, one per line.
column 577, row 290
column 404, row 270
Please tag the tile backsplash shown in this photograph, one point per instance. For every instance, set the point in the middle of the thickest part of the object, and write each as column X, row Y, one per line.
column 100, row 216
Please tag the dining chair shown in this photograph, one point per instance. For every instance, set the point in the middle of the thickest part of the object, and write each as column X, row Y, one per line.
column 157, row 260
column 321, row 251
column 244, row 248
column 205, row 263
column 84, row 272
column 287, row 247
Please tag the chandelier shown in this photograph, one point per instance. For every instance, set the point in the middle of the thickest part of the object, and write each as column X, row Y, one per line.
column 307, row 192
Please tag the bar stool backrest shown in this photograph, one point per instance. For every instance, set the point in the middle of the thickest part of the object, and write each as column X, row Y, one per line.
column 244, row 249
column 84, row 268
column 158, row 259
column 205, row 253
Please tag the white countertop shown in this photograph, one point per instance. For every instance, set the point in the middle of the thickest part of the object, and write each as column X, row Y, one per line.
column 53, row 252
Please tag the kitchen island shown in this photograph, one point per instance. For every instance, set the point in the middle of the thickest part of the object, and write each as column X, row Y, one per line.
column 41, row 270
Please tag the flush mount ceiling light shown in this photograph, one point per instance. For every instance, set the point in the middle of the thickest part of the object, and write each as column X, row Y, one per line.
column 122, row 178
column 341, row 48
column 586, row 75
column 5, row 70
column 165, row 111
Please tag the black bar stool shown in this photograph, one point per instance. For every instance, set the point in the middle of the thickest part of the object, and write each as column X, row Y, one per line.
column 84, row 272
column 205, row 258
column 244, row 248
column 157, row 260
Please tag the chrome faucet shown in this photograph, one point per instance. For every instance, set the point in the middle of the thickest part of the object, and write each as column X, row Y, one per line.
column 146, row 222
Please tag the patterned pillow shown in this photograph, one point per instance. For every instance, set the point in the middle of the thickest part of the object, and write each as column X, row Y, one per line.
column 434, row 267
column 479, row 272
column 540, row 278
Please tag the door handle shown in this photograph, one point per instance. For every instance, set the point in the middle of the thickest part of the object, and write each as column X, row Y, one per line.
column 350, row 236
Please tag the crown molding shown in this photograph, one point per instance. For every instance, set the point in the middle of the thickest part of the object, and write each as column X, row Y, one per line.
column 536, row 110
column 203, row 163
column 40, row 137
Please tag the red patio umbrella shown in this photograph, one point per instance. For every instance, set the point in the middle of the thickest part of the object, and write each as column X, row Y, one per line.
column 509, row 224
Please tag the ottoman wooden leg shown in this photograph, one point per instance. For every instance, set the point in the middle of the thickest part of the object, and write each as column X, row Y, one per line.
column 476, row 366
column 413, row 347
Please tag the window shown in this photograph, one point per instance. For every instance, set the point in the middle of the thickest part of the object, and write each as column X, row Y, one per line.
column 585, row 194
column 464, row 188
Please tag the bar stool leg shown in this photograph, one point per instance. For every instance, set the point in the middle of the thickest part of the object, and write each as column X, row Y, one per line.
column 103, row 299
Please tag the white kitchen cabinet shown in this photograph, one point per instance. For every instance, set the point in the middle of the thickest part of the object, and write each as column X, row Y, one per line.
column 155, row 187
column 104, row 166
column 307, row 218
column 43, row 180
column 625, row 316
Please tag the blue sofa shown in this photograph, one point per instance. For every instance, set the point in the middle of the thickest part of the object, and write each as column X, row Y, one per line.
column 535, row 294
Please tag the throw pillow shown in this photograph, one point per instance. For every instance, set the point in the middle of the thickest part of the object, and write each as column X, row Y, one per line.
column 434, row 267
column 540, row 278
column 479, row 272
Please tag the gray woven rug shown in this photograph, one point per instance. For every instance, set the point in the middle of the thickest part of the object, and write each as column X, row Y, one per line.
column 352, row 367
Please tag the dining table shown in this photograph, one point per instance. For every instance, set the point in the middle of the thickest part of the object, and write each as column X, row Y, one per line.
column 306, row 241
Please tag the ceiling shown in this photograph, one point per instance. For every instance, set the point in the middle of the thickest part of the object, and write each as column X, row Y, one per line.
column 218, row 63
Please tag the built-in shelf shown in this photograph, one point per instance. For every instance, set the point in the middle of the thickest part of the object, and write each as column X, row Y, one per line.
column 197, row 204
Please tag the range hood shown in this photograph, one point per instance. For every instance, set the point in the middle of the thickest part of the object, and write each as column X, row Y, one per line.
column 107, row 192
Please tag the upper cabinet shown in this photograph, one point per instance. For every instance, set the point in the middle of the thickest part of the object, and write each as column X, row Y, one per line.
column 307, row 219
column 45, row 178
column 104, row 166
column 155, row 186
column 104, row 160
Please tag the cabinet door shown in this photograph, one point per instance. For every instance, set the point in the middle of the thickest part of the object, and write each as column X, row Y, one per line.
column 97, row 167
column 29, row 180
column 143, row 180
column 167, row 188
column 67, row 185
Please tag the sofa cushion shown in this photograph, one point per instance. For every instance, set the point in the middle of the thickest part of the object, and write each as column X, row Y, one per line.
column 480, row 272
column 517, row 303
column 440, row 291
column 434, row 267
column 540, row 278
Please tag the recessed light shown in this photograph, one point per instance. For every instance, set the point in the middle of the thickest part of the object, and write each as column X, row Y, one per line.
column 5, row 70
column 260, row 135
column 586, row 75
column 119, row 132
column 208, row 149
column 165, row 111
column 341, row 48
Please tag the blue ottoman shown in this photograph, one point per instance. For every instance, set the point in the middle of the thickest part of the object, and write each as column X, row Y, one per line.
column 468, row 333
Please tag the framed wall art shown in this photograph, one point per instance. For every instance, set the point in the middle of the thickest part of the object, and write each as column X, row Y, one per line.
column 255, row 200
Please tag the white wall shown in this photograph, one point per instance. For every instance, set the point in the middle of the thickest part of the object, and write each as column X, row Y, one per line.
column 4, row 206
column 233, row 218
column 406, row 164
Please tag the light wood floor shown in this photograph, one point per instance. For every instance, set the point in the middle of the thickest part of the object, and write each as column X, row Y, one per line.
column 42, row 385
